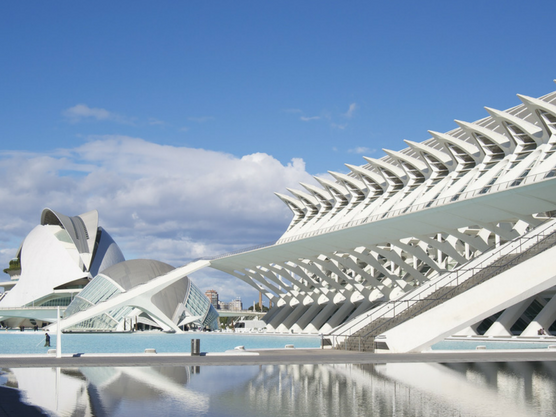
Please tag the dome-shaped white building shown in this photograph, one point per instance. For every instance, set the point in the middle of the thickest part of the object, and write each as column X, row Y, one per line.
column 181, row 302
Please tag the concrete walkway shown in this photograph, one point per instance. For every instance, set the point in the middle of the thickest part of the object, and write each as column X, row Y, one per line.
column 273, row 357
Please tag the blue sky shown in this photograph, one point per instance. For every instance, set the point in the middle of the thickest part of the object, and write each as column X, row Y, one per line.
column 178, row 120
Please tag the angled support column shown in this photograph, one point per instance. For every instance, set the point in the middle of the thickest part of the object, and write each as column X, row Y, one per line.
column 311, row 313
column 502, row 326
column 420, row 254
column 339, row 316
column 324, row 314
column 392, row 256
column 544, row 319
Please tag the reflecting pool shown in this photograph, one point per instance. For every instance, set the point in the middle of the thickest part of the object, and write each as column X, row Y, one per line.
column 15, row 342
column 469, row 389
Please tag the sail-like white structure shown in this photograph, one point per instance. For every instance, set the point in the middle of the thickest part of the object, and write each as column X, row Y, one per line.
column 58, row 258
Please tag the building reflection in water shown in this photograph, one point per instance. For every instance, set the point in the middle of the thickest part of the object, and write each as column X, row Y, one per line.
column 470, row 389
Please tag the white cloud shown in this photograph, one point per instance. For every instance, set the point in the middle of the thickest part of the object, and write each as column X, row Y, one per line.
column 81, row 112
column 337, row 126
column 308, row 119
column 362, row 150
column 156, row 122
column 160, row 202
column 352, row 108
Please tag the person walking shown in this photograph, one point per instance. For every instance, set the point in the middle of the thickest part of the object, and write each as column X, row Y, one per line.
column 47, row 340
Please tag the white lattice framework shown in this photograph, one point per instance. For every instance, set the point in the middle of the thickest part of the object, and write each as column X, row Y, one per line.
column 391, row 224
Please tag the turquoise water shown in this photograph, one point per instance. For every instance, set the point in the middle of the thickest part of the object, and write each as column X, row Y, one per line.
column 33, row 342
column 14, row 342
column 472, row 345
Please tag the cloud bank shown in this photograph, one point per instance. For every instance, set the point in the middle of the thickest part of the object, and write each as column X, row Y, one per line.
column 161, row 202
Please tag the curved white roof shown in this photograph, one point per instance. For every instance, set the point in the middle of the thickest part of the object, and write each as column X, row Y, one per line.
column 82, row 229
column 59, row 251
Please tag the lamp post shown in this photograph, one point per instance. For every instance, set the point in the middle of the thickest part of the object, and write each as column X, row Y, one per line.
column 58, row 334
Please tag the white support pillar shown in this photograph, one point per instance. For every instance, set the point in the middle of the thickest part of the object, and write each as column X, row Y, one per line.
column 502, row 326
column 321, row 318
column 277, row 320
column 291, row 321
column 310, row 314
column 342, row 313
column 58, row 335
column 544, row 319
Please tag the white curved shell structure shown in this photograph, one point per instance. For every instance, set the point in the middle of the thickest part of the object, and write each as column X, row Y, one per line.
column 58, row 257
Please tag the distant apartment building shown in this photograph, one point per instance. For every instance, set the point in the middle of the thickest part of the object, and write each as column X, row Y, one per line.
column 212, row 295
column 234, row 305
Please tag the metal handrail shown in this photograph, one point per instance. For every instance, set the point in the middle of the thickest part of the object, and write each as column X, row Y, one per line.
column 463, row 273
column 497, row 271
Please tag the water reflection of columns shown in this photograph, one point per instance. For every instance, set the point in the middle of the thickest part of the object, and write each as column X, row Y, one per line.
column 57, row 388
column 518, row 380
column 468, row 389
column 304, row 389
column 522, row 382
column 487, row 372
column 543, row 388
column 347, row 390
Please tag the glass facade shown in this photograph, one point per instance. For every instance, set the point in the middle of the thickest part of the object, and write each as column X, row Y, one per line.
column 197, row 304
column 60, row 301
column 211, row 320
column 100, row 289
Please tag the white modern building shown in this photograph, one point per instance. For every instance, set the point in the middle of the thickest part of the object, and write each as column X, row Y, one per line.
column 57, row 259
column 170, row 308
column 367, row 246
column 73, row 263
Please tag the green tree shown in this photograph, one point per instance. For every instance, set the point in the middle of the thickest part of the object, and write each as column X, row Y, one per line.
column 258, row 308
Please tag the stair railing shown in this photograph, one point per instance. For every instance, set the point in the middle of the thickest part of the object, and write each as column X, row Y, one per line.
column 454, row 278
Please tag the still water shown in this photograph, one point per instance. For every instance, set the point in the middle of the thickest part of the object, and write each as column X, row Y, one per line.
column 471, row 389
column 33, row 342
